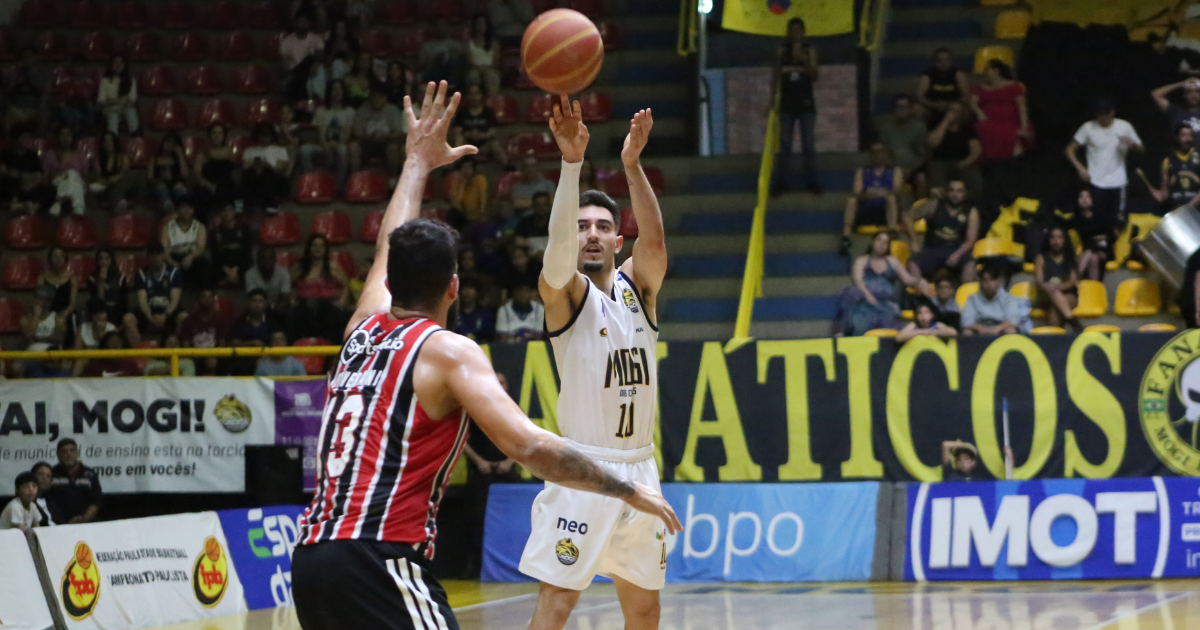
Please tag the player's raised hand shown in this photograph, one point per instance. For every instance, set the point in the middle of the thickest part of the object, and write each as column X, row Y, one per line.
column 426, row 141
column 569, row 131
column 648, row 500
column 639, row 134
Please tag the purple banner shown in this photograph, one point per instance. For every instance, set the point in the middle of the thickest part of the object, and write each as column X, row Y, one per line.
column 298, row 407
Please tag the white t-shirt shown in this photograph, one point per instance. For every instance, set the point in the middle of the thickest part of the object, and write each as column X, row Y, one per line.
column 273, row 155
column 16, row 516
column 509, row 321
column 1105, row 154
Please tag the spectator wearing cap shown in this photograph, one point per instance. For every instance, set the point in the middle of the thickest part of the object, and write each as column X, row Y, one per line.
column 22, row 512
column 1108, row 141
column 530, row 183
column 1186, row 114
column 43, row 472
column 76, row 488
column 378, row 131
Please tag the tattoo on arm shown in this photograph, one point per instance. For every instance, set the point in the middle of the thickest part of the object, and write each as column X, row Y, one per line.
column 566, row 465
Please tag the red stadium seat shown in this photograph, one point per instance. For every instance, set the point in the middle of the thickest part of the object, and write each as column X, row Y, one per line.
column 334, row 225
column 658, row 181
column 309, row 106
column 629, row 226
column 238, row 142
column 132, row 14
column 504, row 184
column 541, row 143
column 410, row 42
column 38, row 14
column 253, row 80
column 287, row 260
column 236, row 46
column 169, row 114
column 223, row 14
column 51, row 46
column 223, row 309
column 86, row 14
column 507, row 110
column 25, row 232
column 193, row 146
column 370, row 227
column 316, row 187
column 595, row 107
column 128, row 231
column 76, row 233
column 89, row 145
column 345, row 260
column 144, row 344
column 82, row 266
column 41, row 145
column 612, row 182
column 264, row 15
column 398, row 13
column 8, row 51
column 262, row 110
column 177, row 14
column 156, row 81
column 272, row 49
column 610, row 34
column 431, row 191
column 203, row 81
column 215, row 111
column 143, row 46
column 590, row 8
column 449, row 10
column 376, row 42
column 62, row 83
column 542, row 6
column 21, row 272
column 140, row 150
column 96, row 46
column 366, row 187
column 279, row 230
column 130, row 264
column 313, row 363
column 189, row 47
column 541, row 108
column 10, row 316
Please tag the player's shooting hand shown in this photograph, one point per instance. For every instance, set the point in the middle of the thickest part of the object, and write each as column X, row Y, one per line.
column 639, row 133
column 569, row 131
column 648, row 500
column 426, row 143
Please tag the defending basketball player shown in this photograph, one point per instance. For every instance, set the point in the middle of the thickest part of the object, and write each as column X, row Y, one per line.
column 395, row 422
column 601, row 323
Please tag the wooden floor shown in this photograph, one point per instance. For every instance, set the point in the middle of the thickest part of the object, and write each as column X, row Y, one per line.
column 1163, row 605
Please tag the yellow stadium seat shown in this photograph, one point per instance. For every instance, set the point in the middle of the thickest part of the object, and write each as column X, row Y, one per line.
column 1174, row 310
column 1029, row 267
column 992, row 247
column 1093, row 299
column 1013, row 24
column 965, row 292
column 1026, row 290
column 1144, row 222
column 908, row 315
column 1143, row 33
column 988, row 53
column 1102, row 328
column 901, row 250
column 1134, row 265
column 997, row 3
column 1156, row 328
column 880, row 332
column 871, row 230
column 1048, row 330
column 1137, row 297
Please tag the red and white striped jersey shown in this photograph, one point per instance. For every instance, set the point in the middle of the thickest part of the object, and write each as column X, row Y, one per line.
column 384, row 463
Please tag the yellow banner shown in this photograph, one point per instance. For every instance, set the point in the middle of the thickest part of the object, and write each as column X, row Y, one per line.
column 1084, row 12
column 770, row 17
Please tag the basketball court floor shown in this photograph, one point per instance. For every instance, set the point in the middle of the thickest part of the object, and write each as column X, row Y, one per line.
column 1162, row 605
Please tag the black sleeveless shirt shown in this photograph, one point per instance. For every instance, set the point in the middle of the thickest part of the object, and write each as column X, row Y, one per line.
column 795, row 87
column 944, row 229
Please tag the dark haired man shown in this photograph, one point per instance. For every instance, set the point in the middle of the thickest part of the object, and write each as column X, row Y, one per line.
column 792, row 80
column 601, row 320
column 159, row 288
column 951, row 229
column 992, row 310
column 1108, row 141
column 396, row 420
column 74, row 487
column 1180, row 173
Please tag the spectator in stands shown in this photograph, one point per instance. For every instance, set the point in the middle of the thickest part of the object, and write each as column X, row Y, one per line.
column 475, row 124
column 159, row 288
column 1108, row 140
column 59, row 279
column 334, row 120
column 41, row 327
column 359, row 282
column 317, row 84
column 215, row 168
column 925, row 322
column 587, row 176
column 796, row 71
column 1189, row 113
column 321, row 292
column 358, row 80
column 274, row 281
column 1188, row 298
column 231, row 248
column 442, row 57
column 20, row 172
column 951, row 229
column 110, row 287
column 483, row 53
column 340, row 40
column 117, row 96
column 522, row 318
column 955, row 151
column 992, row 310
column 475, row 320
column 1180, row 173
column 162, row 366
column 524, row 267
column 299, row 44
column 941, row 87
column 76, row 488
column 873, row 302
column 203, row 326
column 534, row 225
column 287, row 129
column 904, row 136
column 66, row 169
column 1057, row 277
column 257, row 324
column 945, row 298
column 279, row 364
column 26, row 91
column 89, row 333
column 43, row 472
column 340, row 66
column 469, row 190
column 71, row 105
column 168, row 172
column 185, row 241
column 530, row 183
column 1001, row 116
column 114, row 180
column 958, row 460
column 396, row 84
column 1097, row 234
column 488, row 465
column 379, row 130
column 873, row 200
column 509, row 19
column 266, row 179
column 22, row 511
column 470, row 274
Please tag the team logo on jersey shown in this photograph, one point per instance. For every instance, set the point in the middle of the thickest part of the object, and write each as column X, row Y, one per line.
column 210, row 573
column 359, row 343
column 233, row 414
column 80, row 586
column 630, row 301
column 603, row 332
column 566, row 551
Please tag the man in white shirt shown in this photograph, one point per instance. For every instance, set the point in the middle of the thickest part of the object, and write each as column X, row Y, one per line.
column 22, row 512
column 1108, row 140
column 521, row 318
column 299, row 44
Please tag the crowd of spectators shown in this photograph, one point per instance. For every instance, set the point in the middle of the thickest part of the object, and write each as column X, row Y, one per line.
column 66, row 493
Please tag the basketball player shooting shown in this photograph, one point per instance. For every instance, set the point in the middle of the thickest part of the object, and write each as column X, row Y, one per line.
column 395, row 422
column 601, row 323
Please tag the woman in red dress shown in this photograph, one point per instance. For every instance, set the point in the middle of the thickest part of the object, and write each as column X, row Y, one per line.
column 1002, row 119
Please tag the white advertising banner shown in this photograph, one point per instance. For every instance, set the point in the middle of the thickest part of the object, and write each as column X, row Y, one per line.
column 140, row 434
column 141, row 572
column 22, row 603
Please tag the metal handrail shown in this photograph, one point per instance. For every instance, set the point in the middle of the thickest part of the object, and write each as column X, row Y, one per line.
column 752, row 276
column 688, row 17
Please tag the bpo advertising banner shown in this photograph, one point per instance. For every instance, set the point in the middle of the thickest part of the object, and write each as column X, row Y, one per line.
column 261, row 541
column 1056, row 529
column 22, row 603
column 298, row 409
column 141, row 572
column 140, row 434
column 732, row 532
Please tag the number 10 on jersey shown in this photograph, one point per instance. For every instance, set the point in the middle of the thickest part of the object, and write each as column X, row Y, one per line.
column 625, row 428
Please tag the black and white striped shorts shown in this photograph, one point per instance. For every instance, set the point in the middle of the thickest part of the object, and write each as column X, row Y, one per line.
column 367, row 585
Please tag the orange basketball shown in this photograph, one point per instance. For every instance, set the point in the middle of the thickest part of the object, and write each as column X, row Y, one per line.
column 83, row 556
column 212, row 549
column 562, row 51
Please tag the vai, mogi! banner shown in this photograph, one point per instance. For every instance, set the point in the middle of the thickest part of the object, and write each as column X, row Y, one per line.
column 140, row 434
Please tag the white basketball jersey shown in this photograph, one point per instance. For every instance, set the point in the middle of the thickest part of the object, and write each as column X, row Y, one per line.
column 607, row 364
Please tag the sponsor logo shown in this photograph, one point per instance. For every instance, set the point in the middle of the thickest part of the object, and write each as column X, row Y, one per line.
column 210, row 573
column 572, row 526
column 630, row 301
column 360, row 344
column 566, row 551
column 778, row 7
column 80, row 585
column 1169, row 403
column 233, row 414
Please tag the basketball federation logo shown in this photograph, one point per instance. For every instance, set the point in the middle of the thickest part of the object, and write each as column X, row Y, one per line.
column 80, row 586
column 1169, row 403
column 210, row 573
column 566, row 551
